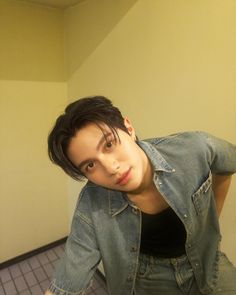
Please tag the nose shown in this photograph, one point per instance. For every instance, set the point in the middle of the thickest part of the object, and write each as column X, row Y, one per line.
column 111, row 165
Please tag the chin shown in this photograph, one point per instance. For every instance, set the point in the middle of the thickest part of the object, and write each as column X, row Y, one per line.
column 133, row 189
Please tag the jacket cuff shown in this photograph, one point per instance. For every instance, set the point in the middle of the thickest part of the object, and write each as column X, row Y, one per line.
column 58, row 291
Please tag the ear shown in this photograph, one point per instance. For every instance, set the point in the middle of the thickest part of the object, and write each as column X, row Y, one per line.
column 130, row 128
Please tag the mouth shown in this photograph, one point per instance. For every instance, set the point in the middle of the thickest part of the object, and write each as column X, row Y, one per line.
column 124, row 178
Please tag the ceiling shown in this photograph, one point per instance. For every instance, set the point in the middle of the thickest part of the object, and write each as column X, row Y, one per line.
column 55, row 3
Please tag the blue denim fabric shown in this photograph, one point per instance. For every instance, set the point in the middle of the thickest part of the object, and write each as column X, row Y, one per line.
column 175, row 276
column 106, row 225
column 164, row 276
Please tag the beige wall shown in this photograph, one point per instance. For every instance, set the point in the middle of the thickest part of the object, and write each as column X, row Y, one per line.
column 170, row 66
column 33, row 193
column 32, row 47
column 87, row 24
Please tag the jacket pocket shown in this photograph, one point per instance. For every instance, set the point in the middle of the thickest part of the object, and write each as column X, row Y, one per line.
column 201, row 197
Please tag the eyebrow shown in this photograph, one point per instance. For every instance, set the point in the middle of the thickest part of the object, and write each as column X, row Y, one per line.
column 100, row 142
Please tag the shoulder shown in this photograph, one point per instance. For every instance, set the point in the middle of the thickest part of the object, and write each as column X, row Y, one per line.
column 90, row 190
column 184, row 148
column 190, row 138
column 92, row 197
column 91, row 200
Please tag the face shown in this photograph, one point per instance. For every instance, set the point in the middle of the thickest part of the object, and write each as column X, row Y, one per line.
column 116, row 164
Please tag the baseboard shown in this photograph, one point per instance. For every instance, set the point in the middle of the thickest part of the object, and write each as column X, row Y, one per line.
column 38, row 251
column 32, row 253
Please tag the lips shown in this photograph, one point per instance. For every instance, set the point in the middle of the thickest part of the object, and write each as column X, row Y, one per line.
column 124, row 178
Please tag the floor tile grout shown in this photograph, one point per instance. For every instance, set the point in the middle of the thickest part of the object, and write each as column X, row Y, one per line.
column 35, row 267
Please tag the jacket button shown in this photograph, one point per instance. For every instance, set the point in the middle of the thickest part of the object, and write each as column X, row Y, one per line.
column 134, row 210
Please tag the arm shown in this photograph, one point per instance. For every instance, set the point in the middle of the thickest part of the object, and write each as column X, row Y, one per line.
column 75, row 270
column 221, row 184
column 221, row 157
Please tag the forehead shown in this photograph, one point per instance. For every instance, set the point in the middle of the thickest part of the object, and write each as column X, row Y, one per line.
column 86, row 139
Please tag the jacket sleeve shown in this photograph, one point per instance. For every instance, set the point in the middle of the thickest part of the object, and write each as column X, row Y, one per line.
column 81, row 258
column 221, row 154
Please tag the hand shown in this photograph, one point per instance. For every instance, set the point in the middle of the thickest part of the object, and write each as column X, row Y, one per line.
column 220, row 185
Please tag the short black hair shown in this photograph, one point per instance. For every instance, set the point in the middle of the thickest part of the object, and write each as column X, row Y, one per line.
column 93, row 109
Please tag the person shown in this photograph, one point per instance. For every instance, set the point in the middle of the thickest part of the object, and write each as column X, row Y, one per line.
column 149, row 210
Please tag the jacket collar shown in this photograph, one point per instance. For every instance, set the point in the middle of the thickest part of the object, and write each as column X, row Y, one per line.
column 157, row 160
column 118, row 201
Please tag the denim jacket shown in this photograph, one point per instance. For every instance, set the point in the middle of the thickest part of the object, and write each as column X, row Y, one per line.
column 107, row 226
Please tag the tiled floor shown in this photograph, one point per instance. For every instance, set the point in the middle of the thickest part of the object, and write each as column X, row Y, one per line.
column 32, row 276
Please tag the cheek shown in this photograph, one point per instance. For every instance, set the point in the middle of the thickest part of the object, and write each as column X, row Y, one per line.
column 97, row 177
column 130, row 151
column 127, row 147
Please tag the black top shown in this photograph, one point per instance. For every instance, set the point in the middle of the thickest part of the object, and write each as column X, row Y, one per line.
column 163, row 234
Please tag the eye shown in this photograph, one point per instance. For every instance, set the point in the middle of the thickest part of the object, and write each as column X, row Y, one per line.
column 109, row 144
column 89, row 166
